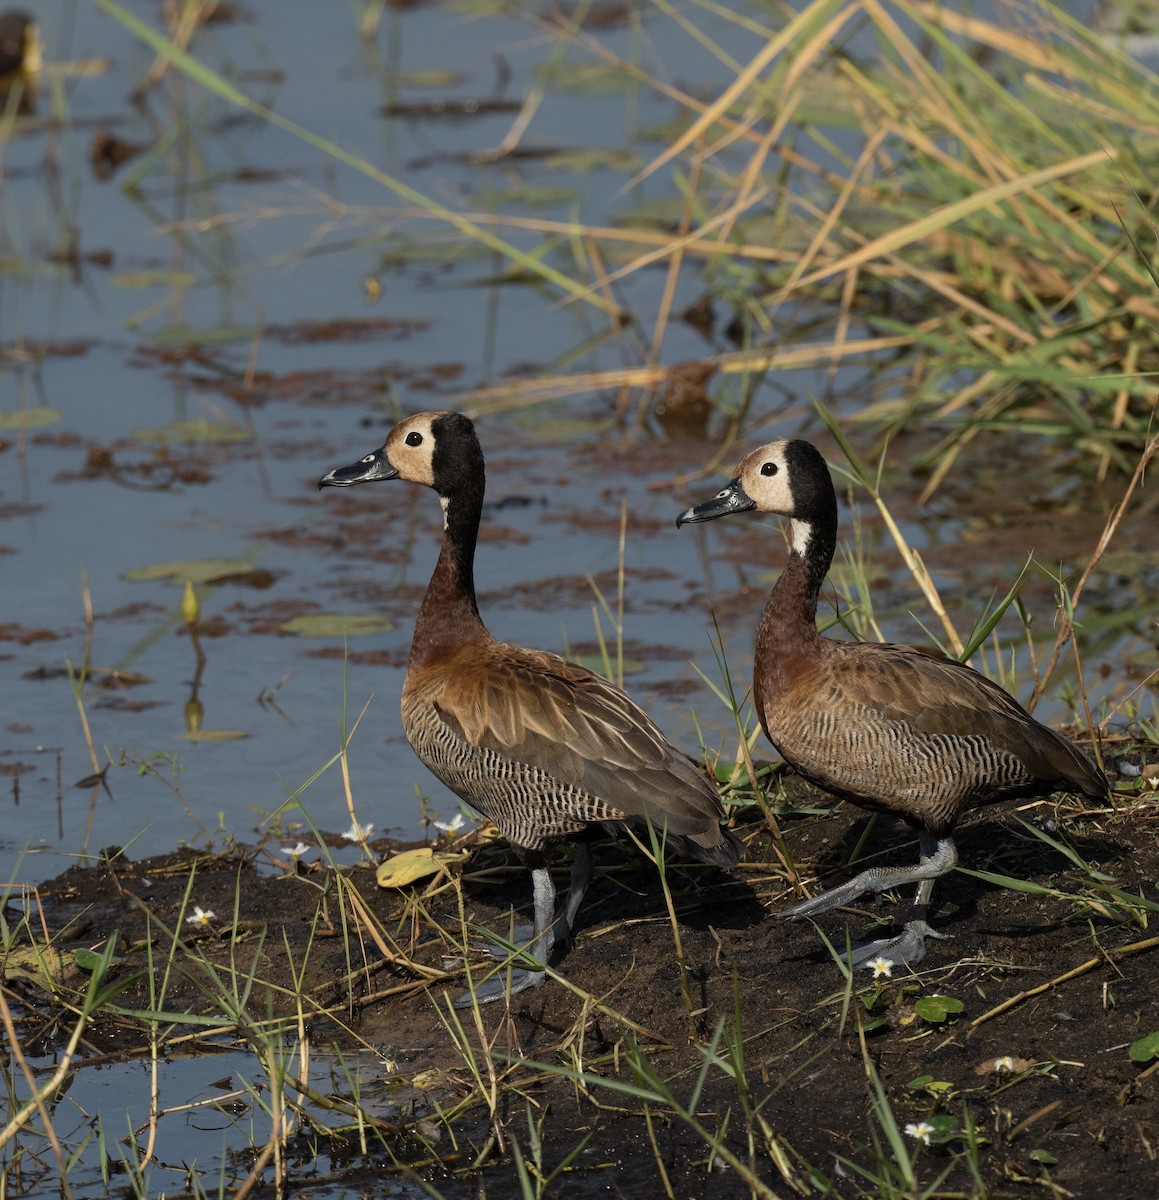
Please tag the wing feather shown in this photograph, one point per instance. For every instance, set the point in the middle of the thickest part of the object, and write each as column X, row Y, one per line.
column 939, row 695
column 557, row 716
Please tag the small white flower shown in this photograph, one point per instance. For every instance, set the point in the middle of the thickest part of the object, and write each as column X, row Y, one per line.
column 296, row 852
column 882, row 966
column 452, row 826
column 920, row 1132
column 1005, row 1063
column 201, row 916
column 358, row 833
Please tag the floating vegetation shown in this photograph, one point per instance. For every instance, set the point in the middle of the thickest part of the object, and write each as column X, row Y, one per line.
column 30, row 418
column 202, row 570
column 330, row 625
column 194, row 433
column 409, row 866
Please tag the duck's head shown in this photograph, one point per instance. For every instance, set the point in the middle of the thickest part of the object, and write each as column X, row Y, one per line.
column 439, row 449
column 763, row 481
column 789, row 478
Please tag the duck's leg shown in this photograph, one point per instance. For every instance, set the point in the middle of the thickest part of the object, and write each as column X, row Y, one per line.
column 582, row 866
column 581, row 876
column 538, row 939
column 538, row 947
column 937, row 857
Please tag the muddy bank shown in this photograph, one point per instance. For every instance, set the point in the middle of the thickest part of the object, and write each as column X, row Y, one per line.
column 788, row 1098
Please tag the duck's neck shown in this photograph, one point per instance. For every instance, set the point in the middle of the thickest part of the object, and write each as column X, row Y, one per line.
column 787, row 637
column 449, row 618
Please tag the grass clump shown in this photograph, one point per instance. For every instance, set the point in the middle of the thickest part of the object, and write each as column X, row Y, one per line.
column 963, row 201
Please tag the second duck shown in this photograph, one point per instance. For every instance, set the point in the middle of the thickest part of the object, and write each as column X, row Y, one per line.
column 887, row 727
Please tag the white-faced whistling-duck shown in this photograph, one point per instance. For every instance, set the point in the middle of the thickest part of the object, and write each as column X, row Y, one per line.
column 888, row 727
column 541, row 746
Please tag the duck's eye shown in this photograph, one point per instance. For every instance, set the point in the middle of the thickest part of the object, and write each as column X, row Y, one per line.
column 769, row 468
column 369, row 458
column 414, row 439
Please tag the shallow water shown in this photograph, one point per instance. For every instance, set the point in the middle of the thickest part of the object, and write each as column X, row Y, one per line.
column 226, row 353
column 112, row 485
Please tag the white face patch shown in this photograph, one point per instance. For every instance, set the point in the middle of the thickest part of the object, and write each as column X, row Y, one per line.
column 764, row 474
column 413, row 463
column 802, row 532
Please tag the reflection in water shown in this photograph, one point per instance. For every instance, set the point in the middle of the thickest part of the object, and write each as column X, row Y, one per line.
column 191, row 614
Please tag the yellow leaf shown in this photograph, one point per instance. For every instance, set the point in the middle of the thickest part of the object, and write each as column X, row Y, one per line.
column 430, row 1078
column 45, row 966
column 410, row 865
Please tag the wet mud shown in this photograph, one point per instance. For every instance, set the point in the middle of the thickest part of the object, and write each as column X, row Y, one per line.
column 1047, row 1083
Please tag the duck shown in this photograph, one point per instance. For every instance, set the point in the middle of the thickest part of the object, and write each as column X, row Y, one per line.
column 892, row 728
column 545, row 749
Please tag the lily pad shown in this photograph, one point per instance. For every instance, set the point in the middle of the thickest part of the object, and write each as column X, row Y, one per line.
column 140, row 279
column 592, row 78
column 411, row 865
column 431, row 77
column 329, row 625
column 927, row 1083
column 196, row 570
column 529, row 197
column 945, row 1126
column 190, row 433
column 582, row 160
column 29, row 418
column 430, row 1078
column 449, row 248
column 936, row 1009
column 1145, row 1049
column 42, row 965
column 89, row 960
column 195, row 335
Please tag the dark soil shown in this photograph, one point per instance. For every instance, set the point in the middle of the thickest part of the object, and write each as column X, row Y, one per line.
column 1076, row 1116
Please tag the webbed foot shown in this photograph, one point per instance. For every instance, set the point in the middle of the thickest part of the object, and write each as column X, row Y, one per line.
column 495, row 987
column 907, row 949
column 521, row 935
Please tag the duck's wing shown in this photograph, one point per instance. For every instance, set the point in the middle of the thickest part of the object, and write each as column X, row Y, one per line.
column 942, row 696
column 560, row 718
